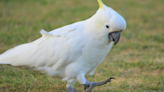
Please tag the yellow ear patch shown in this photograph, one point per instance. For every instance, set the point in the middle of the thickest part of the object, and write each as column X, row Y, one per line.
column 100, row 3
column 100, row 23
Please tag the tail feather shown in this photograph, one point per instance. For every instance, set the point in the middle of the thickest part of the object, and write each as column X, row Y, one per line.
column 3, row 62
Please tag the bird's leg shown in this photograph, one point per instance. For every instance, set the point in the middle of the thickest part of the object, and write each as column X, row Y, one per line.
column 70, row 89
column 70, row 86
column 90, row 85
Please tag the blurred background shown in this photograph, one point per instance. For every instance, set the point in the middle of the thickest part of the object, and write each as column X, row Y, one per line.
column 136, row 61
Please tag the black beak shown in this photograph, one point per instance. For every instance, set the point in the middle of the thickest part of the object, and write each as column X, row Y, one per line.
column 114, row 36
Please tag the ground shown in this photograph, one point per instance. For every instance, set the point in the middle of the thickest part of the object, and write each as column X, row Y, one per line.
column 136, row 61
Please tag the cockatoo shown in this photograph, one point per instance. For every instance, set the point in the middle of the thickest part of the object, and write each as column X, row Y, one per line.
column 72, row 51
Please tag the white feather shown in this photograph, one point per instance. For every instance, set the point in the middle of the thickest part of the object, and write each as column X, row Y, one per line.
column 43, row 32
column 3, row 62
column 51, row 50
column 69, row 52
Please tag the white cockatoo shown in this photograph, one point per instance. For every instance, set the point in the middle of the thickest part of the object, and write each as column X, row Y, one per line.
column 72, row 51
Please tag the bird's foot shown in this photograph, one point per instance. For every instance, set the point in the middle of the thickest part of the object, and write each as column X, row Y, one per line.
column 70, row 90
column 90, row 85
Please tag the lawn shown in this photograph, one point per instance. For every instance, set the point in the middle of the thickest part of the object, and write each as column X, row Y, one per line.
column 137, row 61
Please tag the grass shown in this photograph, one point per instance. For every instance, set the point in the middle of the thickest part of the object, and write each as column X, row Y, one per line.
column 136, row 62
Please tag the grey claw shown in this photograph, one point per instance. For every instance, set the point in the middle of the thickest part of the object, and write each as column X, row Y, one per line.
column 112, row 78
column 89, row 86
column 86, row 87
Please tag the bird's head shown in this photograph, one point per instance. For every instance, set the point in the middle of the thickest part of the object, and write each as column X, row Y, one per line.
column 108, row 21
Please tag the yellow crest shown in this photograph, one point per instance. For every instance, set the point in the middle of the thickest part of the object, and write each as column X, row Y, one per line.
column 100, row 3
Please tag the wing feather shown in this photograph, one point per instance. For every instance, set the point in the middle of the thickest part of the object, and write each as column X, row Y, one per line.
column 55, row 49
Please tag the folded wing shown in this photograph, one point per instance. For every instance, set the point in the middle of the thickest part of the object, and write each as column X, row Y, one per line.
column 55, row 49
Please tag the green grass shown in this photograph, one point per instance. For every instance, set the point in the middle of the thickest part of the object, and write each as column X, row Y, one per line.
column 136, row 62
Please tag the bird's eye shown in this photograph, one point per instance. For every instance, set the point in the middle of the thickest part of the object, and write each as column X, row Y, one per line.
column 107, row 26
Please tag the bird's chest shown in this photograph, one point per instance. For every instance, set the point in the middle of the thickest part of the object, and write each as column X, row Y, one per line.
column 94, row 54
